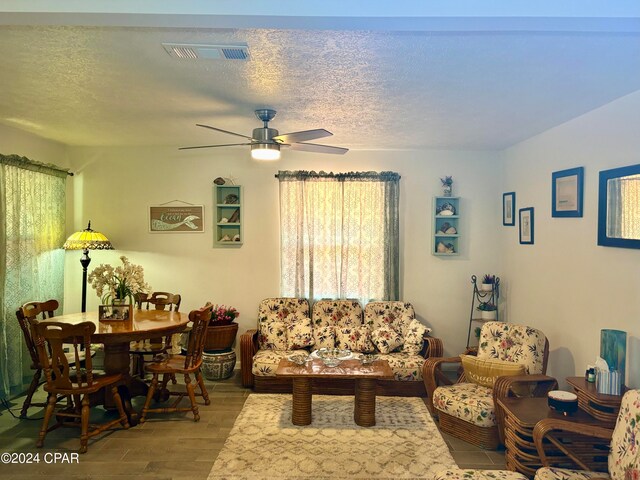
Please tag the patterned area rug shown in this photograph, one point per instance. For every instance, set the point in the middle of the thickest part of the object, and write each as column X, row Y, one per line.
column 263, row 444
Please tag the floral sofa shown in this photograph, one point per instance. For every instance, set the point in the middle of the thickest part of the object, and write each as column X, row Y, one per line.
column 286, row 326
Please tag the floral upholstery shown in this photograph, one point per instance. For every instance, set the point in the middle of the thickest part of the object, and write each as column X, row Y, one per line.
column 337, row 313
column 265, row 362
column 273, row 335
column 299, row 332
column 413, row 334
column 356, row 339
column 405, row 366
column 324, row 337
column 272, row 320
column 513, row 343
column 386, row 339
column 394, row 314
column 271, row 309
column 470, row 402
column 552, row 473
column 460, row 474
column 624, row 456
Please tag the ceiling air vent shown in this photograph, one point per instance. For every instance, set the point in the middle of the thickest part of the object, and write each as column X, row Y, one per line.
column 207, row 52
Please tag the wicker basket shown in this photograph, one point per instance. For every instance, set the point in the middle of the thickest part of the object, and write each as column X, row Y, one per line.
column 220, row 337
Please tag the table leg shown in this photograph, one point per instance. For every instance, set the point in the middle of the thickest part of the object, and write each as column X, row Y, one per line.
column 364, row 412
column 116, row 360
column 301, row 408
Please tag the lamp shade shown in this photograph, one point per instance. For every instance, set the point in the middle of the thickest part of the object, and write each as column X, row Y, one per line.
column 87, row 239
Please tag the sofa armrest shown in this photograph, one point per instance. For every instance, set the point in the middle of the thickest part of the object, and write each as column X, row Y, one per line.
column 433, row 377
column 431, row 347
column 248, row 348
column 546, row 430
column 538, row 386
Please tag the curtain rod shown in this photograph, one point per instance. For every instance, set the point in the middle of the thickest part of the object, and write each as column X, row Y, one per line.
column 27, row 163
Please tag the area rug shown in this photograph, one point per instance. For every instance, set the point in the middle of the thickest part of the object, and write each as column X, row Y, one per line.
column 263, row 444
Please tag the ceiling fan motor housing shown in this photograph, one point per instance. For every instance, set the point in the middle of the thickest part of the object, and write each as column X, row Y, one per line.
column 264, row 135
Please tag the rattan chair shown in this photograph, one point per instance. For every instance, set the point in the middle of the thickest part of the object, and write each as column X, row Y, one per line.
column 182, row 364
column 77, row 383
column 470, row 411
column 137, row 350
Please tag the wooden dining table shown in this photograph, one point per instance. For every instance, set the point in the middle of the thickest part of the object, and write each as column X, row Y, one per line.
column 116, row 336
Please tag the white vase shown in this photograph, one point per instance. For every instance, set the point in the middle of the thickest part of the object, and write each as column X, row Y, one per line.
column 488, row 314
column 486, row 287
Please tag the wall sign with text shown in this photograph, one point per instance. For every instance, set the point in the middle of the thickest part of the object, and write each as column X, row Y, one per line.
column 176, row 219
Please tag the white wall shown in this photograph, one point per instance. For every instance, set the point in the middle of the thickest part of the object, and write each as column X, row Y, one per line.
column 18, row 142
column 565, row 284
column 114, row 188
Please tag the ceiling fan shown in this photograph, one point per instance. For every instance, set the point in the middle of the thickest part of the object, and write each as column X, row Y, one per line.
column 265, row 142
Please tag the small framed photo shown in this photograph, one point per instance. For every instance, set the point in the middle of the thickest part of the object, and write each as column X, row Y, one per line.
column 176, row 219
column 115, row 312
column 508, row 207
column 526, row 226
column 567, row 192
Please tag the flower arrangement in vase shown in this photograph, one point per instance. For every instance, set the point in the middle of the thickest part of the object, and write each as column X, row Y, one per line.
column 447, row 185
column 222, row 329
column 223, row 315
column 118, row 284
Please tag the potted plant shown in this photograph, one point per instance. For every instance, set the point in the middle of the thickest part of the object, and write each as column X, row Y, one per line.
column 488, row 282
column 222, row 329
column 488, row 311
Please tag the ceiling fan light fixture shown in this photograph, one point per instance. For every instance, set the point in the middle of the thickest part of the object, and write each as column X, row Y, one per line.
column 265, row 151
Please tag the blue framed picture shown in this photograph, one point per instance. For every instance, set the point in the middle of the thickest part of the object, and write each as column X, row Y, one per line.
column 526, row 226
column 618, row 207
column 508, row 209
column 567, row 192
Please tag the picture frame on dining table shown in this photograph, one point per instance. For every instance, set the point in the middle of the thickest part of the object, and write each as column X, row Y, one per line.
column 115, row 312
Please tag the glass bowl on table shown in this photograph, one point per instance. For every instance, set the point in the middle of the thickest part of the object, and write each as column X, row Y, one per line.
column 298, row 359
column 332, row 357
column 368, row 358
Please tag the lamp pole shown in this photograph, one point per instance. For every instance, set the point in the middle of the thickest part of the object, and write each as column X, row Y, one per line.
column 84, row 261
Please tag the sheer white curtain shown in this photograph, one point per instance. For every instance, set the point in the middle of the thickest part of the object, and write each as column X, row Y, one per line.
column 339, row 235
column 32, row 231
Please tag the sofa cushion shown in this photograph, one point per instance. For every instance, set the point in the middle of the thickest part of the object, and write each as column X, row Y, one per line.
column 484, row 371
column 413, row 334
column 325, row 337
column 405, row 366
column 299, row 332
column 394, row 314
column 277, row 309
column 386, row 339
column 356, row 339
column 273, row 335
column 514, row 343
column 265, row 362
column 470, row 402
column 337, row 313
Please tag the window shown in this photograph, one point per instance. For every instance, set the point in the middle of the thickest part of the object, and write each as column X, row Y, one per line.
column 339, row 235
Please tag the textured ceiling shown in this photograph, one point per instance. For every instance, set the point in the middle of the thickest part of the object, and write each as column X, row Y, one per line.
column 373, row 89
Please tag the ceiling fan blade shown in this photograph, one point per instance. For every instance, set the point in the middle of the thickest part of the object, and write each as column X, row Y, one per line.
column 303, row 136
column 212, row 146
column 223, row 131
column 313, row 147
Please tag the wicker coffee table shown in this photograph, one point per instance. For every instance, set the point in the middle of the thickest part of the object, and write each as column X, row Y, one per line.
column 365, row 377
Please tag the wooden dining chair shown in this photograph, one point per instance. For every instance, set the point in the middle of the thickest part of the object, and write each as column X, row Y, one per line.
column 182, row 364
column 25, row 313
column 76, row 382
column 159, row 301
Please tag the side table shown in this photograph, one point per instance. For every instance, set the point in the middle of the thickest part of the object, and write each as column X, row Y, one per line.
column 603, row 407
column 521, row 416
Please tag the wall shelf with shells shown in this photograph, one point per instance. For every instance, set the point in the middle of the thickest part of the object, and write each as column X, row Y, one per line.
column 227, row 200
column 446, row 233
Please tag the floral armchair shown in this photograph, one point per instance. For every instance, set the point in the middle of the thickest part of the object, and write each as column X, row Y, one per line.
column 468, row 409
column 623, row 459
